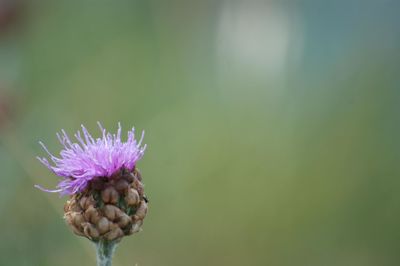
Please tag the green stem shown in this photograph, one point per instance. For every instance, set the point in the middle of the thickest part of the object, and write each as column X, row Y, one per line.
column 105, row 250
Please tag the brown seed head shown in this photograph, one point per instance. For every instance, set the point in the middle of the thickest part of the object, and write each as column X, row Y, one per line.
column 109, row 209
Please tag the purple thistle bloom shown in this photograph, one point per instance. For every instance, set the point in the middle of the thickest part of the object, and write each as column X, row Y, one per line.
column 79, row 163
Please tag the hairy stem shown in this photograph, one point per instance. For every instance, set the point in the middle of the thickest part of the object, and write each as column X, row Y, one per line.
column 105, row 250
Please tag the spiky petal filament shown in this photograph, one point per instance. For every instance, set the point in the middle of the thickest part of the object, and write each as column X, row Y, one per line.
column 81, row 162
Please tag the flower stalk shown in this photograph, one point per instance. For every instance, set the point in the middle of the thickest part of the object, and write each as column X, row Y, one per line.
column 105, row 251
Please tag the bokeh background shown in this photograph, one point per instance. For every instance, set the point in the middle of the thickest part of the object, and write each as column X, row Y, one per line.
column 272, row 127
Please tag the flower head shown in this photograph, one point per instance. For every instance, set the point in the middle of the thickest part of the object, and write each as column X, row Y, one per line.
column 89, row 158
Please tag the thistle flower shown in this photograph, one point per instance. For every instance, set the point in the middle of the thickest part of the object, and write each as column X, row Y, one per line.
column 107, row 200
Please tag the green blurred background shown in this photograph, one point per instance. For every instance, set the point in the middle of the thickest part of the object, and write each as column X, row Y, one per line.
column 272, row 127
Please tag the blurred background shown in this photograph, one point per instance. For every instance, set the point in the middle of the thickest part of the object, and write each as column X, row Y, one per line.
column 272, row 127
